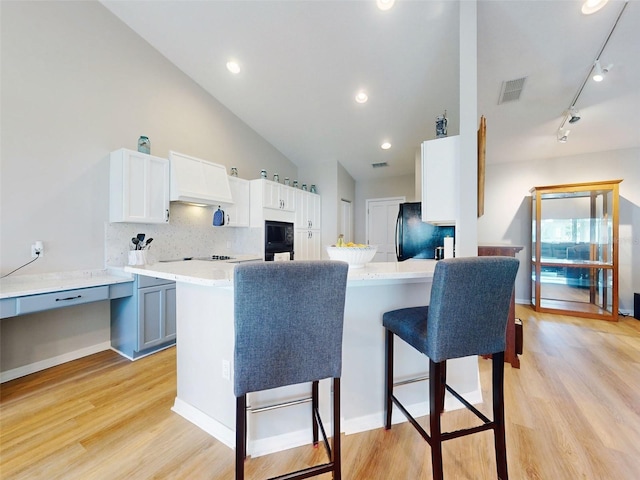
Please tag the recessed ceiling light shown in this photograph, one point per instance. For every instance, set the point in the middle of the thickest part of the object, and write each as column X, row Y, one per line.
column 361, row 97
column 385, row 4
column 385, row 146
column 592, row 6
column 233, row 66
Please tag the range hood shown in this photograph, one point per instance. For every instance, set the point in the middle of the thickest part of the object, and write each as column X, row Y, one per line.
column 198, row 181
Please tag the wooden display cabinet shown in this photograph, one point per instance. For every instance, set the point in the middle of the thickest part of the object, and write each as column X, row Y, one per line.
column 574, row 249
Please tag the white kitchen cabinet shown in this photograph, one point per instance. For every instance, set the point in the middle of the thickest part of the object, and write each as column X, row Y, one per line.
column 145, row 321
column 307, row 224
column 440, row 160
column 138, row 187
column 307, row 245
column 277, row 196
column 238, row 213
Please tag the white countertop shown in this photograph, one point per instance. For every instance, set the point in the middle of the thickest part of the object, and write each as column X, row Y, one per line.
column 220, row 274
column 22, row 285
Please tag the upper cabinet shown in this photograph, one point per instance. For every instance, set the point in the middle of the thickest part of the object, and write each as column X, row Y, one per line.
column 199, row 181
column 237, row 214
column 277, row 196
column 440, row 158
column 308, row 208
column 138, row 187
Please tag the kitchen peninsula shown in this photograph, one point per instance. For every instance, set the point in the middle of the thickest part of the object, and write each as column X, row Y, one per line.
column 205, row 340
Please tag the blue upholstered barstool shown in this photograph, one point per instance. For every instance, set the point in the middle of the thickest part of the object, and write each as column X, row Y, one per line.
column 288, row 329
column 467, row 315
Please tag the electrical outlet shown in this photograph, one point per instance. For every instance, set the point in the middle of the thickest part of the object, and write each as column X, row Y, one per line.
column 226, row 370
column 37, row 249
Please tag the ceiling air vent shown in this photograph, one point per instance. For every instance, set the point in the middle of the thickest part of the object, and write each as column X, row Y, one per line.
column 379, row 165
column 511, row 90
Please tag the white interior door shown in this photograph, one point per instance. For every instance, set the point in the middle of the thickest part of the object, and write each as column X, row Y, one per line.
column 381, row 226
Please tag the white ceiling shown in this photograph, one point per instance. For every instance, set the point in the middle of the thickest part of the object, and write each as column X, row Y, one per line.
column 303, row 61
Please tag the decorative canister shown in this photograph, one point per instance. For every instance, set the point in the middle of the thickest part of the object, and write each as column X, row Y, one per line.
column 304, row 187
column 295, row 184
column 313, row 189
column 234, row 172
column 276, row 178
column 286, row 181
column 441, row 125
column 144, row 145
column 263, row 173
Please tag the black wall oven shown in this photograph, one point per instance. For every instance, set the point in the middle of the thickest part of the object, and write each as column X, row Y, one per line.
column 278, row 238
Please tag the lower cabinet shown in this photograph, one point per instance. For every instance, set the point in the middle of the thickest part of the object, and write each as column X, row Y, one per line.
column 146, row 321
column 307, row 244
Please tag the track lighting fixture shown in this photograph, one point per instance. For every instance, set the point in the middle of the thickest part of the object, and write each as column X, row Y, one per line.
column 599, row 71
column 563, row 134
column 574, row 115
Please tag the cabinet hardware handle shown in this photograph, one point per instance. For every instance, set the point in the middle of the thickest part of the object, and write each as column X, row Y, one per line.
column 167, row 215
column 68, row 298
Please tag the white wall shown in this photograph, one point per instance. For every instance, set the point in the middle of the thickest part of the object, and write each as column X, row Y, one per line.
column 77, row 83
column 507, row 217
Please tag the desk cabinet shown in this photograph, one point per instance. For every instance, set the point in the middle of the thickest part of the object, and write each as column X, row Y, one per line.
column 146, row 321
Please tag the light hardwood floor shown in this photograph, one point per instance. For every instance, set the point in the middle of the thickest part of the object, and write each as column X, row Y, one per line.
column 572, row 412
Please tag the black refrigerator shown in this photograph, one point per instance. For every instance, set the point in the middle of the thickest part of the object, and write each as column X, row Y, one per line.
column 415, row 238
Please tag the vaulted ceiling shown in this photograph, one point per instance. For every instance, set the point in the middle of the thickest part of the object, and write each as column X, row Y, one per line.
column 302, row 62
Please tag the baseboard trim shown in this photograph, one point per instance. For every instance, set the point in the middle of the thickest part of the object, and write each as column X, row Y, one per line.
column 205, row 422
column 52, row 362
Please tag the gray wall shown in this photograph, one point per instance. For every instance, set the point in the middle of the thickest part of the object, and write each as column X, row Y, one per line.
column 77, row 83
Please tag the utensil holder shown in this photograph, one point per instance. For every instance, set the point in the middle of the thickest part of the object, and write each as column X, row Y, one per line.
column 137, row 257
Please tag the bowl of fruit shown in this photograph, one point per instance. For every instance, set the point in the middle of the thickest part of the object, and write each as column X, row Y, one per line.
column 357, row 255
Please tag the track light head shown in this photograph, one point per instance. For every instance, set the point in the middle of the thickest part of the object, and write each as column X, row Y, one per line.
column 599, row 71
column 574, row 115
column 562, row 135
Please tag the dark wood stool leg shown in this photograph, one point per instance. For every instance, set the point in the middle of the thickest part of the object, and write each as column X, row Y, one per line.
column 498, row 415
column 337, row 458
column 241, row 435
column 388, row 387
column 436, row 407
column 314, row 409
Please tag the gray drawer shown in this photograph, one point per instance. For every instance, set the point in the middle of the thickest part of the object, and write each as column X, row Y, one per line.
column 120, row 290
column 65, row 298
column 144, row 281
column 7, row 307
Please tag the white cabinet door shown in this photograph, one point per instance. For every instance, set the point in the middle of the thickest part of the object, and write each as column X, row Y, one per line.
column 439, row 180
column 138, row 187
column 314, row 211
column 308, row 210
column 237, row 214
column 276, row 196
column 314, row 245
column 300, row 245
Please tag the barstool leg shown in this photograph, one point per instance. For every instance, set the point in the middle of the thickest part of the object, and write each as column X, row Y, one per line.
column 498, row 414
column 388, row 385
column 337, row 441
column 436, row 407
column 241, row 435
column 314, row 409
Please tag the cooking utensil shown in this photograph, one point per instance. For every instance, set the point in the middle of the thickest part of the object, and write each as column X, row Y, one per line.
column 135, row 242
column 146, row 244
column 141, row 238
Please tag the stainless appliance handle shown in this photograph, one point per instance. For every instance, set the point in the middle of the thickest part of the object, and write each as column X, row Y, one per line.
column 398, row 228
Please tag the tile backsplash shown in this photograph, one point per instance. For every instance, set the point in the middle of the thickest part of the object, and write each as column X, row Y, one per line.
column 188, row 233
